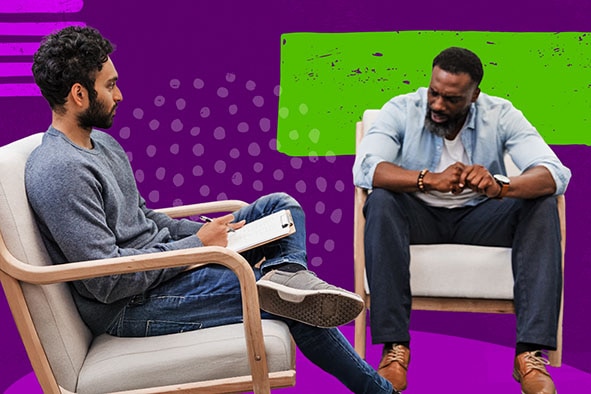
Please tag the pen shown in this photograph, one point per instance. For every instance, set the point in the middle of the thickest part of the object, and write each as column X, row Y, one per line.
column 206, row 219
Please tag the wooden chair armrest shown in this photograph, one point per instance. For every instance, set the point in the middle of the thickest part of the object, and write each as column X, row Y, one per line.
column 121, row 265
column 201, row 208
column 117, row 265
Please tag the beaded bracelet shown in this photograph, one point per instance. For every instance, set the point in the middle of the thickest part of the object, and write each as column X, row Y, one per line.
column 420, row 183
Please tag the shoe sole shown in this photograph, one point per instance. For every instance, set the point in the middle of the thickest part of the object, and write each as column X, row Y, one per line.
column 523, row 392
column 320, row 308
column 516, row 377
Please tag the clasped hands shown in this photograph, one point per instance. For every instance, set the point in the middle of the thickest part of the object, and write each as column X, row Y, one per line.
column 459, row 176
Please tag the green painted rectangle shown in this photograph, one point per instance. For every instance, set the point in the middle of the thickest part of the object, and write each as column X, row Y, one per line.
column 329, row 79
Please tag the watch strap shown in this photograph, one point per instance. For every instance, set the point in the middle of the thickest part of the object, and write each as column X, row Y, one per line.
column 504, row 189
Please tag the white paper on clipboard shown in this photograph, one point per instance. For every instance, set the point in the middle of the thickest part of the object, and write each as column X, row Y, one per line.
column 264, row 230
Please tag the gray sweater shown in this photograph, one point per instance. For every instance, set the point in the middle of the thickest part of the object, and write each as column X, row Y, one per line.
column 88, row 207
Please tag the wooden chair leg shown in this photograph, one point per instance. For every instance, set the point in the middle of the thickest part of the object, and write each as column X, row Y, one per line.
column 361, row 333
column 555, row 357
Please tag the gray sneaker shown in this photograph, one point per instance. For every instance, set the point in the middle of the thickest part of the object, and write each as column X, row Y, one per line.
column 302, row 296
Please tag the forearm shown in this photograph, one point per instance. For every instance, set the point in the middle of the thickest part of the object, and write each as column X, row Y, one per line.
column 178, row 228
column 533, row 183
column 113, row 288
column 395, row 178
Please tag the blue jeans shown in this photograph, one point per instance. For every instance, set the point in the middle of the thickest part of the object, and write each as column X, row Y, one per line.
column 210, row 296
column 530, row 227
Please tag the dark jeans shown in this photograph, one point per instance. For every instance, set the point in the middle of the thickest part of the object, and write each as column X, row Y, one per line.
column 530, row 227
column 210, row 296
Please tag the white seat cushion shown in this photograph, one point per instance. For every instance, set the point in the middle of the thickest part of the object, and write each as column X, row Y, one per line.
column 465, row 271
column 115, row 363
column 450, row 270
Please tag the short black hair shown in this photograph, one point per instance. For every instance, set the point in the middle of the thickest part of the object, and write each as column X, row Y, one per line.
column 71, row 55
column 457, row 60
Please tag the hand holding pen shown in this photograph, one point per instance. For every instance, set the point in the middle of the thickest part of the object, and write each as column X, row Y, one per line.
column 215, row 231
column 206, row 219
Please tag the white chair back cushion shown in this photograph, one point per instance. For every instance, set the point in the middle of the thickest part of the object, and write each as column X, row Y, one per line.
column 457, row 270
column 64, row 336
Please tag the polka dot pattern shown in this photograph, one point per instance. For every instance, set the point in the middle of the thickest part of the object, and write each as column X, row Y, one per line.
column 205, row 139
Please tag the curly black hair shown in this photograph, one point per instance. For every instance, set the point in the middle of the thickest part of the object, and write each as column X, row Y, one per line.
column 71, row 55
column 457, row 60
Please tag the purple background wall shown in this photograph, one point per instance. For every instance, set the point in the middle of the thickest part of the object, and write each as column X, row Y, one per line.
column 200, row 84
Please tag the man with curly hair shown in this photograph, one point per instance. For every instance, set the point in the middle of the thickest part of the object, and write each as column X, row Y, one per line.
column 81, row 187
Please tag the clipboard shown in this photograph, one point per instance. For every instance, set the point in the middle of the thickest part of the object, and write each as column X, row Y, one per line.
column 264, row 230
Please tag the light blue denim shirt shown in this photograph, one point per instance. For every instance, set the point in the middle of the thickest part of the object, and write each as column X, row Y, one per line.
column 494, row 127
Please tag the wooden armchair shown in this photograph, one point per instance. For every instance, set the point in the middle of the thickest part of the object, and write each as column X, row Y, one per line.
column 66, row 358
column 482, row 275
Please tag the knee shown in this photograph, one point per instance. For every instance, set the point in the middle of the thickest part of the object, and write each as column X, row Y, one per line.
column 542, row 210
column 284, row 200
column 545, row 205
column 549, row 202
column 381, row 199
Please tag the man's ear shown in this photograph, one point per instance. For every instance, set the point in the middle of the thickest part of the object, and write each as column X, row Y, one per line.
column 475, row 94
column 79, row 95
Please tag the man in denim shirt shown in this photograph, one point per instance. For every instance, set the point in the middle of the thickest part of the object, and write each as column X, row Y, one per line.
column 434, row 162
column 82, row 189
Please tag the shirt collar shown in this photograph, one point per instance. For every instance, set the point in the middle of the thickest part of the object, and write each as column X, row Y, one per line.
column 471, row 119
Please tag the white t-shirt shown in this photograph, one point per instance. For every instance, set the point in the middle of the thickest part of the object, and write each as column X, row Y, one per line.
column 453, row 151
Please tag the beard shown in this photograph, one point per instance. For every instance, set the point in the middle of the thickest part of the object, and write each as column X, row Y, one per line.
column 97, row 115
column 448, row 128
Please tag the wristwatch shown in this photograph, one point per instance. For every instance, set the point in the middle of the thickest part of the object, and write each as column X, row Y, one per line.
column 504, row 182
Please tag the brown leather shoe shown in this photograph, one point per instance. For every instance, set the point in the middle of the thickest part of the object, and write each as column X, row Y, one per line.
column 394, row 365
column 530, row 371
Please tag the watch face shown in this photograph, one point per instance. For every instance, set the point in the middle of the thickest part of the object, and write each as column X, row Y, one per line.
column 502, row 178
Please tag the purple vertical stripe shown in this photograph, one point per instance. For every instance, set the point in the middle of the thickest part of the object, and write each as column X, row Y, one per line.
column 34, row 29
column 36, row 6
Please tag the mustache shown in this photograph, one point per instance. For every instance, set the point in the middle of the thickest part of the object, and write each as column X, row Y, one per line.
column 432, row 111
column 439, row 129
